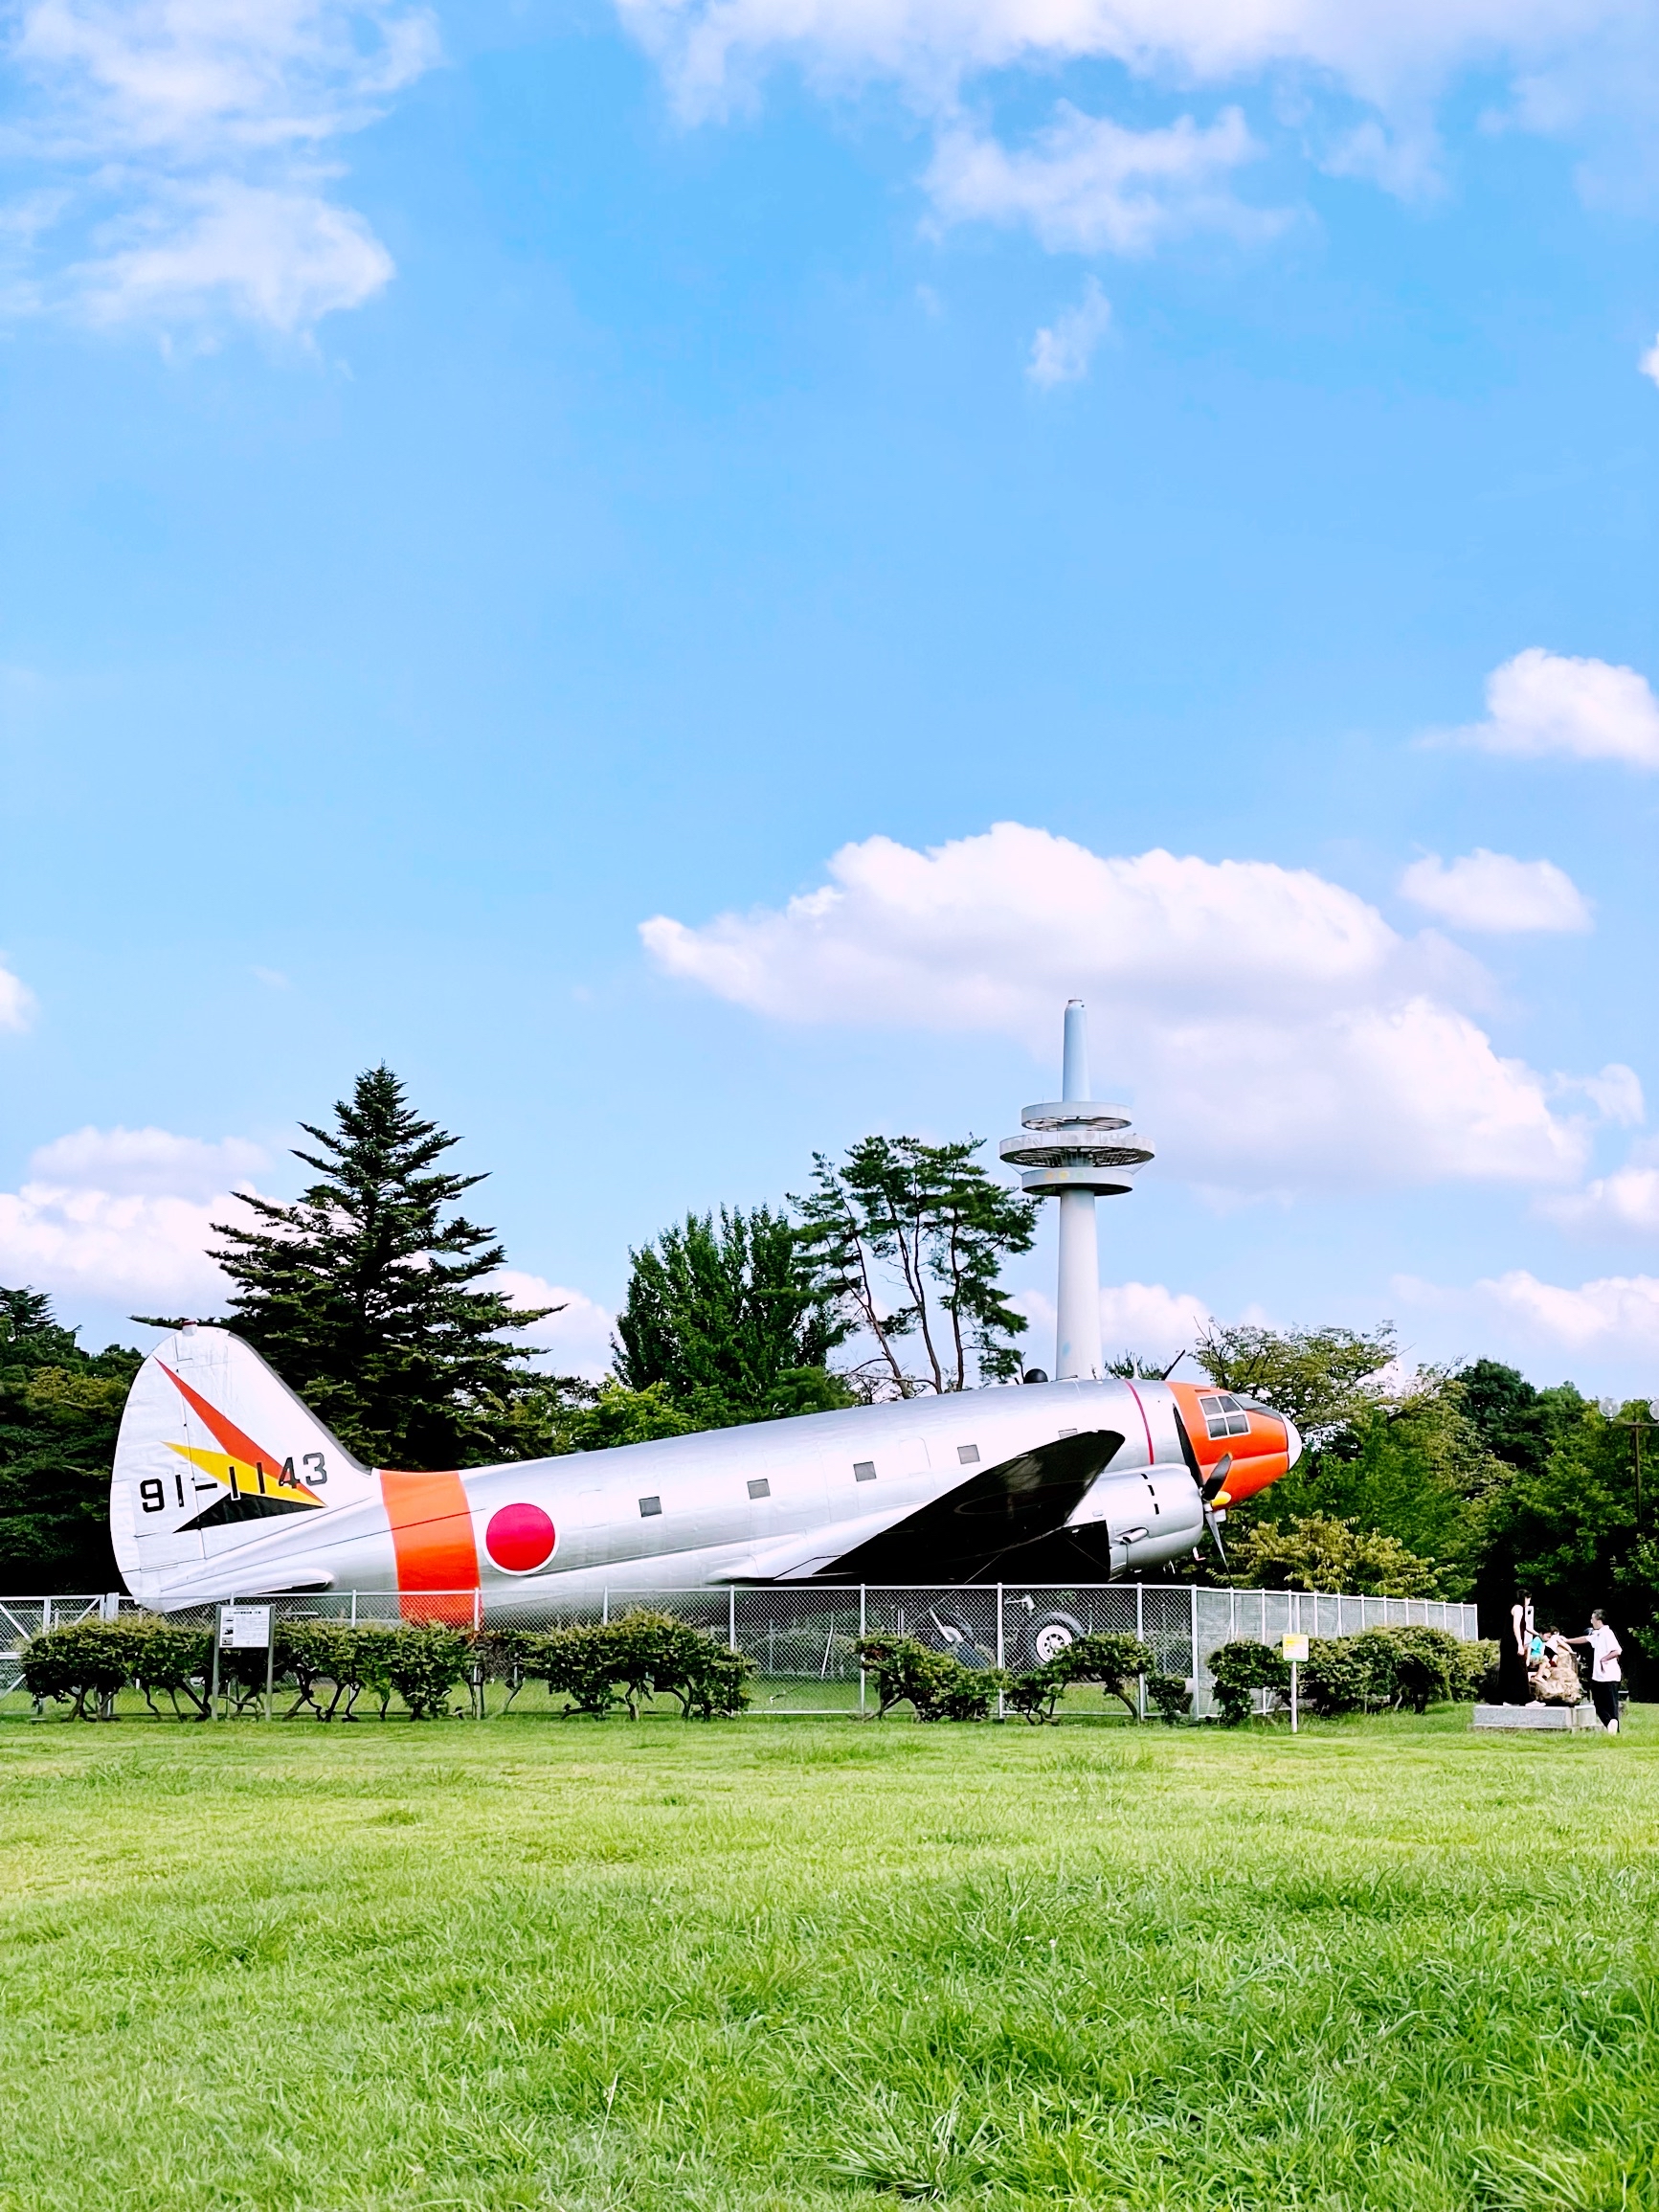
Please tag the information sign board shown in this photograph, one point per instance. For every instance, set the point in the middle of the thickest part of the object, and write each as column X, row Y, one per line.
column 1293, row 1647
column 244, row 1628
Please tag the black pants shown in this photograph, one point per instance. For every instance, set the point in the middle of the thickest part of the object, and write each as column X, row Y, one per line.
column 1606, row 1697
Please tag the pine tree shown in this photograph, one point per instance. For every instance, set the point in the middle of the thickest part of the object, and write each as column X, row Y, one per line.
column 364, row 1294
column 910, row 1240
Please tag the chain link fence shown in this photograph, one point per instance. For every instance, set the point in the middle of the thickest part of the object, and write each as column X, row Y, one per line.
column 804, row 1639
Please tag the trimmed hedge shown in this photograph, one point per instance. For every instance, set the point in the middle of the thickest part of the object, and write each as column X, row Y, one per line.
column 329, row 1666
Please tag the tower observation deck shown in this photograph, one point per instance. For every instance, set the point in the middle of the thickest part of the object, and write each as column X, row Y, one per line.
column 1076, row 1150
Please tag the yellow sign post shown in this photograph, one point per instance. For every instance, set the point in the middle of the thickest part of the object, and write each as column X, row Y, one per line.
column 1295, row 1650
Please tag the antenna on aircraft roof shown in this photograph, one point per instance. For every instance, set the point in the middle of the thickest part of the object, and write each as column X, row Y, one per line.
column 1077, row 1150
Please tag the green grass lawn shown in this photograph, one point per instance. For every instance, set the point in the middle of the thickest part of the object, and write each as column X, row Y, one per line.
column 771, row 1964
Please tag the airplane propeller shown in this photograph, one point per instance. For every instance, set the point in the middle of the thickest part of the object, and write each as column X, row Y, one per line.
column 1208, row 1490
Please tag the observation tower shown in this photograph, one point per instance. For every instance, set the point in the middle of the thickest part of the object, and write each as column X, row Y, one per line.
column 1076, row 1151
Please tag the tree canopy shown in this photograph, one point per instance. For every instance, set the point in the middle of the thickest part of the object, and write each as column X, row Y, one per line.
column 910, row 1240
column 731, row 1322
column 60, row 1411
column 368, row 1294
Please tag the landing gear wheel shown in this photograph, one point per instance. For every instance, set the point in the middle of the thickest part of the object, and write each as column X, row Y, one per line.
column 950, row 1632
column 1049, row 1634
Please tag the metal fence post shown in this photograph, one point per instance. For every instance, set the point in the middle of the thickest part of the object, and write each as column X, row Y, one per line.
column 1193, row 1594
column 731, row 1618
column 1140, row 1638
column 605, row 1606
column 1002, row 1706
column 354, row 1609
column 861, row 1634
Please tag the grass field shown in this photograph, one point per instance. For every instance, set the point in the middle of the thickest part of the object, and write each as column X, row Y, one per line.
column 771, row 1964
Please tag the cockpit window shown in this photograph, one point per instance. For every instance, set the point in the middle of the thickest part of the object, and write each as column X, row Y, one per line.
column 1224, row 1416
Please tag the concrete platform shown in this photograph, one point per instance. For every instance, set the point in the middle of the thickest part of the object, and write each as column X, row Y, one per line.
column 1582, row 1716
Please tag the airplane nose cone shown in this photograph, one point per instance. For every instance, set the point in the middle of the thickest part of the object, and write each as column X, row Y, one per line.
column 1292, row 1441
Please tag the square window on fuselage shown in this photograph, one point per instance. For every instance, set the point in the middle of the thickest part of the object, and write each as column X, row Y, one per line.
column 648, row 1507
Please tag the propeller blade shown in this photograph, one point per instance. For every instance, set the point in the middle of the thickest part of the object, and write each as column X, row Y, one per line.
column 1215, row 1528
column 1217, row 1477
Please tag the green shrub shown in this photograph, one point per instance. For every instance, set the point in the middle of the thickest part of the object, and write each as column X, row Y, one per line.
column 178, row 1660
column 1475, row 1665
column 92, row 1658
column 936, row 1687
column 1169, row 1694
column 499, row 1655
column 1237, row 1669
column 710, row 1678
column 1034, row 1696
column 1335, row 1679
column 1116, row 1662
column 425, row 1662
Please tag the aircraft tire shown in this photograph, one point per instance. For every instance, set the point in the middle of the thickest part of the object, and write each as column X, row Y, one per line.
column 1047, row 1635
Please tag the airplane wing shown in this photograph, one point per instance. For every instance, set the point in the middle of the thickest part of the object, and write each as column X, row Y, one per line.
column 960, row 1536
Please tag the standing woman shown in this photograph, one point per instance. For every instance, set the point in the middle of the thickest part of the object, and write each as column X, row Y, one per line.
column 1515, row 1655
column 1605, row 1674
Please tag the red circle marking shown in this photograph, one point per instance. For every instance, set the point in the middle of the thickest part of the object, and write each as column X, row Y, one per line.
column 520, row 1539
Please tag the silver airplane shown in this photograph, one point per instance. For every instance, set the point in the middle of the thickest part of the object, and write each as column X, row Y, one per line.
column 225, row 1483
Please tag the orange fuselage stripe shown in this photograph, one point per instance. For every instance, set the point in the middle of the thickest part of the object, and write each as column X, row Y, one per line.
column 433, row 1541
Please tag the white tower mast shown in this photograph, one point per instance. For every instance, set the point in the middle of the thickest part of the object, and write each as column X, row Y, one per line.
column 1077, row 1151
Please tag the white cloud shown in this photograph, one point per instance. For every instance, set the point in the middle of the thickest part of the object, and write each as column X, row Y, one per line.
column 124, row 1215
column 1622, row 1203
column 1281, row 1035
column 1358, row 82
column 1088, row 185
column 1062, row 351
column 283, row 258
column 1376, row 49
column 1650, row 362
column 1617, row 1316
column 1615, row 1092
column 577, row 1338
column 1489, row 891
column 16, row 1002
column 126, row 1163
column 1140, row 1318
column 189, row 137
column 1541, row 703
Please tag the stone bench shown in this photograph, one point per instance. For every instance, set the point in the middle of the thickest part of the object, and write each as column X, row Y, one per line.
column 1581, row 1716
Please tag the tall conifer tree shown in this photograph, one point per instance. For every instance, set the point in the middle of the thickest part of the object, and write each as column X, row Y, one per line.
column 365, row 1294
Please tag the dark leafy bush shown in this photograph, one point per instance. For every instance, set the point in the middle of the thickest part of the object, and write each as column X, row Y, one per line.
column 936, row 1687
column 1034, row 1696
column 424, row 1664
column 710, row 1680
column 92, row 1658
column 1169, row 1694
column 1238, row 1669
column 499, row 1655
column 1475, row 1664
column 1335, row 1678
column 1114, row 1661
column 332, row 1664
column 577, row 1664
column 177, row 1661
column 316, row 1655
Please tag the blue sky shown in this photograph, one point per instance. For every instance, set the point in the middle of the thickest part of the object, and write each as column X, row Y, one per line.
column 477, row 481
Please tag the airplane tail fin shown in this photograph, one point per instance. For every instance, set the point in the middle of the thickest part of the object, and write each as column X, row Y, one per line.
column 214, row 1452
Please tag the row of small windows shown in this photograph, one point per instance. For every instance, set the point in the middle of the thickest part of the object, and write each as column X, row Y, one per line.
column 1224, row 1416
column 864, row 1470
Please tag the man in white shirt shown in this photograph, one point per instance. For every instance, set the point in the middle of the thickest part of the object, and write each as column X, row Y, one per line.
column 1605, row 1673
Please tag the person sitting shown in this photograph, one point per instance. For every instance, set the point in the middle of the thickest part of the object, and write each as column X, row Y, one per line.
column 1555, row 1678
